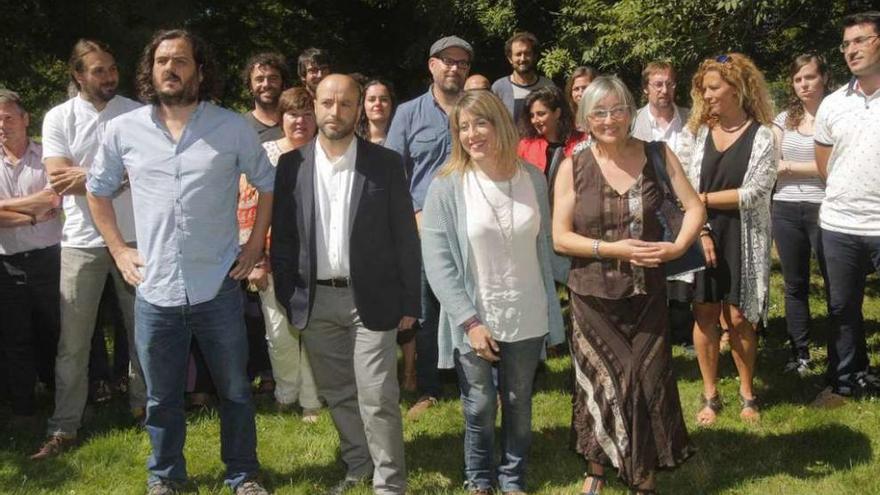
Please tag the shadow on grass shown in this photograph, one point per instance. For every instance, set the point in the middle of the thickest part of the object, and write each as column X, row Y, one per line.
column 724, row 459
column 804, row 454
column 19, row 474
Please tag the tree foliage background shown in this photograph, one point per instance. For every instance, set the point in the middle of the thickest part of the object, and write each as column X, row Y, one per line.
column 389, row 38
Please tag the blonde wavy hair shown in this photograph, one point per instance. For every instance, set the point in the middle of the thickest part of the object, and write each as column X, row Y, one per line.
column 740, row 72
column 482, row 104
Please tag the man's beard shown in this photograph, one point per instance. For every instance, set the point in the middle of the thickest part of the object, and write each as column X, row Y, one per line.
column 524, row 69
column 664, row 104
column 341, row 131
column 100, row 93
column 271, row 105
column 451, row 86
column 186, row 95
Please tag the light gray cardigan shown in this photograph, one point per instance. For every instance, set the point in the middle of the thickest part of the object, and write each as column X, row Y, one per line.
column 445, row 256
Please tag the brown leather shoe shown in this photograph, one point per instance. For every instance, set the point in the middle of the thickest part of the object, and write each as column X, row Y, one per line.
column 827, row 399
column 420, row 407
column 53, row 447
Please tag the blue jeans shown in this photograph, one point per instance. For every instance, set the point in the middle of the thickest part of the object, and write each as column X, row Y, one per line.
column 516, row 376
column 163, row 336
column 848, row 259
column 796, row 232
column 427, row 354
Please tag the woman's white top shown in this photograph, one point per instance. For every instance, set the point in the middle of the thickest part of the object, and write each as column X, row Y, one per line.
column 502, row 227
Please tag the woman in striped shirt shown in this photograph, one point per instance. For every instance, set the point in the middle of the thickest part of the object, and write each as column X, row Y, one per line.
column 799, row 193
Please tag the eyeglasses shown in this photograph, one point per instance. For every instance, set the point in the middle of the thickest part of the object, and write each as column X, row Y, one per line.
column 856, row 42
column 723, row 58
column 451, row 62
column 616, row 113
column 317, row 69
column 658, row 85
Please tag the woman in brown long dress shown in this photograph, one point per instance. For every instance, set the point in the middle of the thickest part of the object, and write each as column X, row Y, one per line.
column 626, row 410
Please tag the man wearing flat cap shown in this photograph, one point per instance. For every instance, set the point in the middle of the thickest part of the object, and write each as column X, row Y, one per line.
column 420, row 133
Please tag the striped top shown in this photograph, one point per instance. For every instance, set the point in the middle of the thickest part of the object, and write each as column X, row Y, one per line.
column 797, row 147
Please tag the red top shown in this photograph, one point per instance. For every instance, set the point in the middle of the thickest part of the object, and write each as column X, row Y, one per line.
column 534, row 150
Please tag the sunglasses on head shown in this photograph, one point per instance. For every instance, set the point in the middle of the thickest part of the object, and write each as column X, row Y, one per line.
column 722, row 59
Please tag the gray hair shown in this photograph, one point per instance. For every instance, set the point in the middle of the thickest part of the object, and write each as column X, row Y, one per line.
column 9, row 96
column 601, row 87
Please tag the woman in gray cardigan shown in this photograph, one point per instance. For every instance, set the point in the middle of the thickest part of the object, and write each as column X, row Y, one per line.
column 487, row 254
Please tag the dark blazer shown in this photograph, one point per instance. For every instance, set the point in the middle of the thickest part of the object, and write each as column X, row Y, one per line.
column 384, row 250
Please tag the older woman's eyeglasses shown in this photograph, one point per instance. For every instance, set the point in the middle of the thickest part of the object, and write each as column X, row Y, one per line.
column 616, row 113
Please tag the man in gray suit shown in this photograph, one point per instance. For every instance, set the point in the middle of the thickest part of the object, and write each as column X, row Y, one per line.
column 347, row 267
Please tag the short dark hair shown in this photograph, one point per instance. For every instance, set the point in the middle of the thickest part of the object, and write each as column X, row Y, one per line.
column 296, row 98
column 522, row 36
column 81, row 48
column 654, row 67
column 552, row 98
column 868, row 17
column 273, row 60
column 209, row 89
column 316, row 56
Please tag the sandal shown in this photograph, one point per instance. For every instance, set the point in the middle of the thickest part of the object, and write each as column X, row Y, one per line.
column 713, row 404
column 594, row 485
column 747, row 404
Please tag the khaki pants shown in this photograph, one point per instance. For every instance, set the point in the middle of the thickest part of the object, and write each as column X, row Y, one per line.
column 290, row 364
column 83, row 273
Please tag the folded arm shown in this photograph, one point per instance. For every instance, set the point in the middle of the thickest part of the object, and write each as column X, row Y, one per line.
column 33, row 204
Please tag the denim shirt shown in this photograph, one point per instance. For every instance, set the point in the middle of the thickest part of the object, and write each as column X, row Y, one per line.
column 420, row 133
column 184, row 195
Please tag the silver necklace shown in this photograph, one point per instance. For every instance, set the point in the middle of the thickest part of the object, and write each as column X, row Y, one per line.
column 507, row 237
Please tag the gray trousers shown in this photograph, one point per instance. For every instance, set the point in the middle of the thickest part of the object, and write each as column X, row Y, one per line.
column 355, row 370
column 83, row 274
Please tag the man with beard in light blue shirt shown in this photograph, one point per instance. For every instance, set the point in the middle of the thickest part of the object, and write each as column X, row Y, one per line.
column 183, row 157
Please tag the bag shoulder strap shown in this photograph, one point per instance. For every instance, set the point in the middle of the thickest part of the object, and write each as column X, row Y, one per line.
column 657, row 157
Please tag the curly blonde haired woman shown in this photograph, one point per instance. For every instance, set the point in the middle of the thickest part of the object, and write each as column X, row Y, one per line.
column 731, row 162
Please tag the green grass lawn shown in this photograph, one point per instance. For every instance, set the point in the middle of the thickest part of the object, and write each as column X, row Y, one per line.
column 794, row 450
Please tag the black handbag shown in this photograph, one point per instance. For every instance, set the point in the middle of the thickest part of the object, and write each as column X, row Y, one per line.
column 671, row 215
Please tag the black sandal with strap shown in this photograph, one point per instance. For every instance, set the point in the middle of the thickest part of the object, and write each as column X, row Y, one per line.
column 750, row 404
column 713, row 403
column 594, row 486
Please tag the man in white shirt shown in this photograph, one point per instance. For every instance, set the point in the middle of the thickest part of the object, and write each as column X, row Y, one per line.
column 347, row 267
column 72, row 133
column 661, row 119
column 847, row 136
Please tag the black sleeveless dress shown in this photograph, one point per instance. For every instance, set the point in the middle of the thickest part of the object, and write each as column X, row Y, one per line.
column 722, row 170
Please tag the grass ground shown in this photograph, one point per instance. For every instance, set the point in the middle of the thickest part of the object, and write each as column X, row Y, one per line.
column 794, row 450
